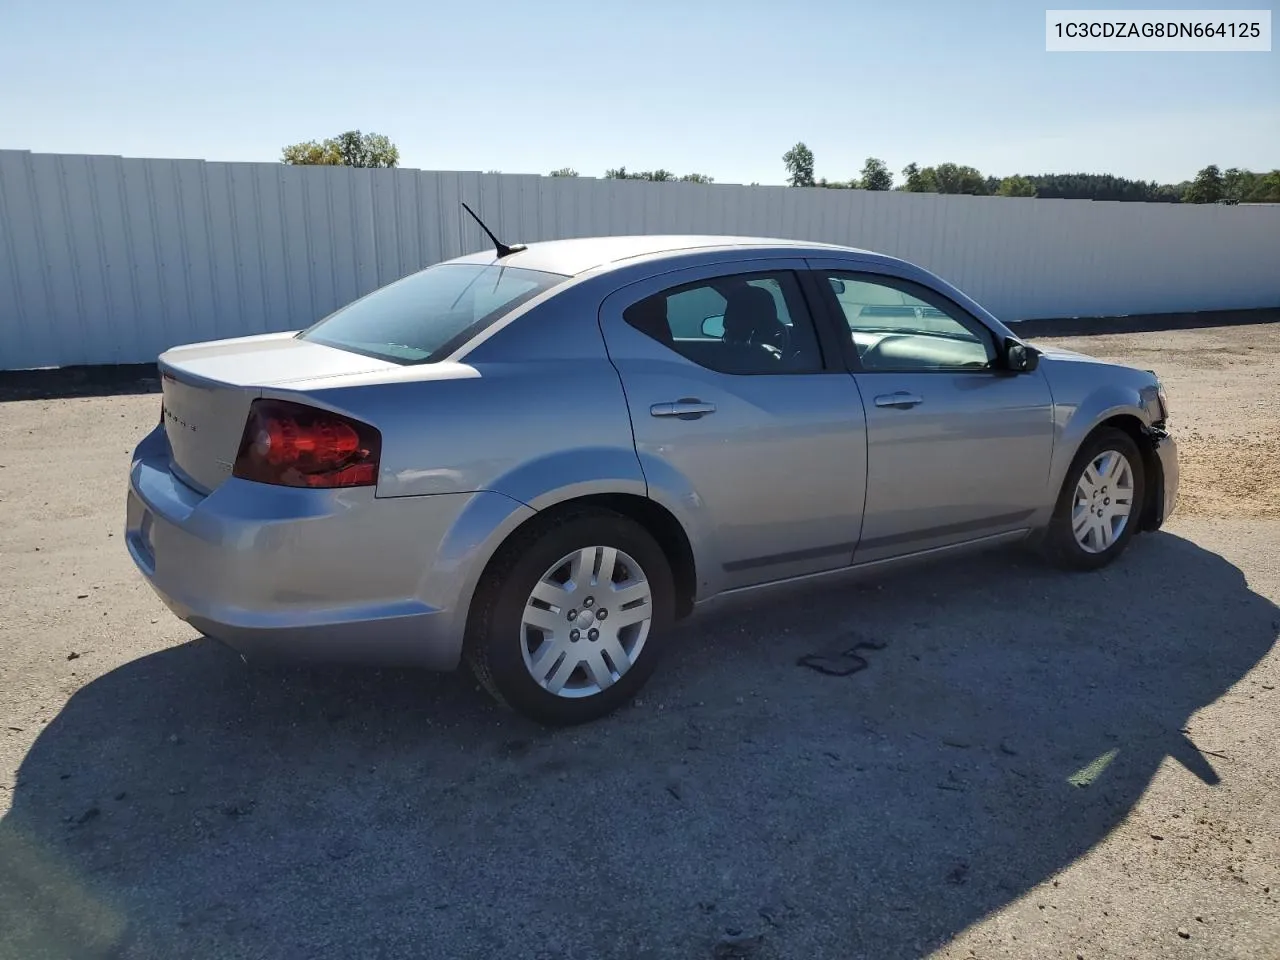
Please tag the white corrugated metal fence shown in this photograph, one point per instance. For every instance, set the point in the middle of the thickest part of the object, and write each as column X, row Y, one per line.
column 111, row 260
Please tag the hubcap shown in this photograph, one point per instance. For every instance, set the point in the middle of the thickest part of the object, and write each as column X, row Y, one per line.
column 586, row 622
column 1103, row 500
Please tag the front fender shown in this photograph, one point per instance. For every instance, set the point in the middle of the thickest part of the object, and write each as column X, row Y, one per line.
column 1075, row 419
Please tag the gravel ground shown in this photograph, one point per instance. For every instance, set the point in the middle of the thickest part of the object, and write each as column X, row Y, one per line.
column 1034, row 765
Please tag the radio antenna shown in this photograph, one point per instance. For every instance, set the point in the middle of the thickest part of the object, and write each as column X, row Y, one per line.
column 502, row 249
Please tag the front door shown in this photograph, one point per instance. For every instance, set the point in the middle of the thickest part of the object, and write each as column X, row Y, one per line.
column 742, row 425
column 956, row 448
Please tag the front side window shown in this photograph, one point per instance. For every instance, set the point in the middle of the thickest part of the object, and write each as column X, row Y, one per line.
column 428, row 314
column 743, row 324
column 893, row 329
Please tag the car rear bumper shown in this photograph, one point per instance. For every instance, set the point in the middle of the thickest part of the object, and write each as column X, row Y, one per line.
column 335, row 575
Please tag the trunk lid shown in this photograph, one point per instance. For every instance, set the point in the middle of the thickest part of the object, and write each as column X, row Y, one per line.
column 208, row 388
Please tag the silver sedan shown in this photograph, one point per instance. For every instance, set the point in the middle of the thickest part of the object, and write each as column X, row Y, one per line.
column 536, row 459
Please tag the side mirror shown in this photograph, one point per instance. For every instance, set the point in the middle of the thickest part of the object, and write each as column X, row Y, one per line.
column 837, row 285
column 1018, row 357
column 713, row 327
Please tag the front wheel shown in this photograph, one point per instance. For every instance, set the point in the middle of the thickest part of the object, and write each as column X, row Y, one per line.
column 567, row 623
column 1101, row 500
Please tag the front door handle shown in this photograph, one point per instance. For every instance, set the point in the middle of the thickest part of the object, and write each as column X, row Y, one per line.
column 687, row 408
column 900, row 400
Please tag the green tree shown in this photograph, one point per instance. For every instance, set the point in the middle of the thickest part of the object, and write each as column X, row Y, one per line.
column 656, row 176
column 621, row 173
column 564, row 172
column 875, row 175
column 1245, row 186
column 919, row 181
column 954, row 178
column 799, row 162
column 312, row 154
column 946, row 178
column 1207, row 187
column 1236, row 183
column 1016, row 186
column 349, row 149
column 1099, row 186
column 1265, row 188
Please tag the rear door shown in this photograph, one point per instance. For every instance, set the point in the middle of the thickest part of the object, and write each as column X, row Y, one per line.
column 957, row 449
column 741, row 418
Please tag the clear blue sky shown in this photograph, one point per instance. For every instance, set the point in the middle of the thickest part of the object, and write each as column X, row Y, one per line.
column 695, row 85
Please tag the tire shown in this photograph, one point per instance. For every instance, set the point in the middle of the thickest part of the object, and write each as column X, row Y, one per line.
column 505, row 652
column 1060, row 544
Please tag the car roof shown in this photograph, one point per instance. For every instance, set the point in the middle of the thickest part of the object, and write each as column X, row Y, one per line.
column 572, row 257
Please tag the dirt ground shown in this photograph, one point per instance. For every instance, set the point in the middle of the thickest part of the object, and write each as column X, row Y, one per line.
column 1035, row 765
column 1223, row 387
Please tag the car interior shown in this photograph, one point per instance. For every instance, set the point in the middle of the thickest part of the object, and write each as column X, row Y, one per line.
column 892, row 330
column 732, row 324
column 742, row 325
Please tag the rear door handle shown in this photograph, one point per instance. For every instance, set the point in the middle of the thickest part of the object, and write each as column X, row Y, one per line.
column 900, row 400
column 688, row 408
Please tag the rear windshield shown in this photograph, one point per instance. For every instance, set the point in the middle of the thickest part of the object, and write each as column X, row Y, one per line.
column 429, row 314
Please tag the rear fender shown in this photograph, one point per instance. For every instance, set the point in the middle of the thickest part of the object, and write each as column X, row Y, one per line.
column 473, row 538
column 518, row 496
column 543, row 482
column 600, row 471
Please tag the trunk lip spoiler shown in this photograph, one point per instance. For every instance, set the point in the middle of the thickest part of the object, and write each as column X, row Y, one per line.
column 178, row 374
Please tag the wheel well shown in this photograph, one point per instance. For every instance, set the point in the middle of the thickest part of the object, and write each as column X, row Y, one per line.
column 660, row 523
column 1152, row 471
column 663, row 527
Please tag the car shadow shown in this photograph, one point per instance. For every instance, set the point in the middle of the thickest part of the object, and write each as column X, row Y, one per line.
column 1143, row 323
column 61, row 383
column 187, row 805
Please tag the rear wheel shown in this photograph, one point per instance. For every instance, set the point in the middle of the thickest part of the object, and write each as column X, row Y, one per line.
column 568, row 621
column 1101, row 500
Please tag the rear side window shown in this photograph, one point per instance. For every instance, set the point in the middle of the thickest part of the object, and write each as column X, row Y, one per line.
column 744, row 324
column 427, row 315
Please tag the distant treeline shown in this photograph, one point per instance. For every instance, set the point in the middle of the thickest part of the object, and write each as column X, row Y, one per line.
column 1104, row 186
column 1211, row 185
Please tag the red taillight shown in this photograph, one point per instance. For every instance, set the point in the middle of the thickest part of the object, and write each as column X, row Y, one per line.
column 293, row 445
